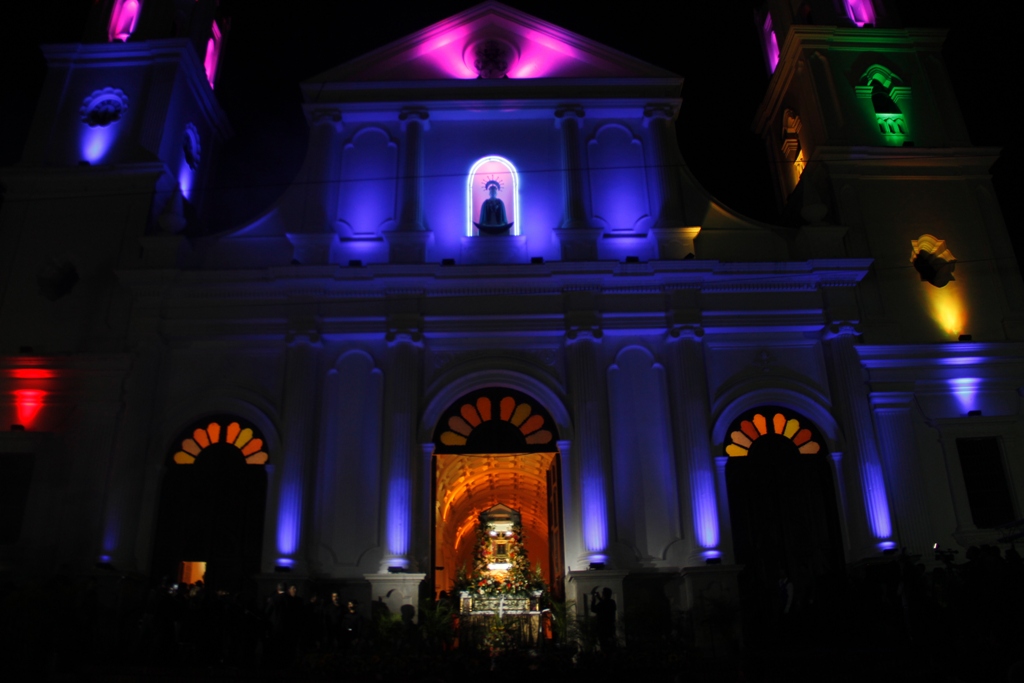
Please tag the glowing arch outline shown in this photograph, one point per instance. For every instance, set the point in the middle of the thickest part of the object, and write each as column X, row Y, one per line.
column 469, row 192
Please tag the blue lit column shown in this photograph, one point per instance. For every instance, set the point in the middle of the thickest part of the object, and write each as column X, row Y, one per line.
column 574, row 212
column 899, row 451
column 870, row 525
column 664, row 157
column 408, row 241
column 297, row 439
column 690, row 413
column 588, row 392
column 401, row 450
column 312, row 239
column 577, row 236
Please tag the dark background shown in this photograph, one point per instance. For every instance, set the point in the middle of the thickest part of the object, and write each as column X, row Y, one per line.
column 272, row 46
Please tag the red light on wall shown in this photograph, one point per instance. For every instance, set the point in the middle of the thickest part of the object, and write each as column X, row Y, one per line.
column 28, row 403
column 32, row 373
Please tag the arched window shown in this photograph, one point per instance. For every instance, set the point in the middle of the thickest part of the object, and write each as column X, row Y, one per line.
column 212, row 53
column 860, row 12
column 886, row 90
column 492, row 178
column 771, row 425
column 123, row 18
column 495, row 421
column 226, row 436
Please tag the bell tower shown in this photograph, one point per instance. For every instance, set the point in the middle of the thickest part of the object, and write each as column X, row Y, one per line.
column 871, row 158
column 123, row 145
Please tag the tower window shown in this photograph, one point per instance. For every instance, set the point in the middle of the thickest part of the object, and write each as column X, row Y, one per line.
column 123, row 18
column 988, row 492
column 885, row 91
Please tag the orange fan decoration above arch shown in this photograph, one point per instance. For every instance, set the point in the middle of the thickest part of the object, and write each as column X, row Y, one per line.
column 757, row 426
column 242, row 438
column 474, row 413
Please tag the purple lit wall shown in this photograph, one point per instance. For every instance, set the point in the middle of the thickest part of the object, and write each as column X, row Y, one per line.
column 618, row 182
column 366, row 195
column 965, row 389
column 860, row 12
column 595, row 516
column 398, row 515
column 212, row 54
column 705, row 510
column 288, row 518
column 96, row 142
column 123, row 18
column 875, row 498
column 771, row 44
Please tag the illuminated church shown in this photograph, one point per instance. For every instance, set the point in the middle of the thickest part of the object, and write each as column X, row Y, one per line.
column 495, row 282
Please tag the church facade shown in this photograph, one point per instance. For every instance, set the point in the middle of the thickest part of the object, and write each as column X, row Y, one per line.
column 496, row 283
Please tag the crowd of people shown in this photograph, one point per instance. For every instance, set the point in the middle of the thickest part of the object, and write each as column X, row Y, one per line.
column 969, row 604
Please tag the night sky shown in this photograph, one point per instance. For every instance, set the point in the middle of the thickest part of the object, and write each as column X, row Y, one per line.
column 273, row 46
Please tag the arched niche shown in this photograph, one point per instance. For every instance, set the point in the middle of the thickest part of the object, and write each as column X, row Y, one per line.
column 618, row 180
column 485, row 172
column 366, row 196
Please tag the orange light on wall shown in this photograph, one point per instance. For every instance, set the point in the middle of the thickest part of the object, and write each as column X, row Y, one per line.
column 28, row 403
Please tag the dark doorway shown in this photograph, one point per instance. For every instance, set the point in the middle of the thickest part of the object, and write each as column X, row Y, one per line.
column 785, row 523
column 211, row 510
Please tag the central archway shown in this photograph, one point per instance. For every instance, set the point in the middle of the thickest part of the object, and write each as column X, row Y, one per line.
column 496, row 446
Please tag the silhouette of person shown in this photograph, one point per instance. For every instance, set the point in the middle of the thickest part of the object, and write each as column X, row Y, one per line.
column 604, row 612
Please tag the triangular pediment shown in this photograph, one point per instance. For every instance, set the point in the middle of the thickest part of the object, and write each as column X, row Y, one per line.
column 491, row 39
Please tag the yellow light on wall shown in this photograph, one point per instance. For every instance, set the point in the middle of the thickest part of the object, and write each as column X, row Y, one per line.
column 947, row 308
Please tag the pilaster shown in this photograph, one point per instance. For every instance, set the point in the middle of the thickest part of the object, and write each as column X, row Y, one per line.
column 409, row 240
column 870, row 524
column 588, row 391
column 293, row 483
column 658, row 119
column 903, row 472
column 690, row 412
column 401, row 449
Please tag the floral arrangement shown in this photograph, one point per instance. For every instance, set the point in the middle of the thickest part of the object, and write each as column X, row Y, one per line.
column 516, row 580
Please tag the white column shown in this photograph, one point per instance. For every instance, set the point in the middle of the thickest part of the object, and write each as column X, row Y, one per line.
column 298, row 442
column 665, row 157
column 900, row 454
column 870, row 524
column 401, row 450
column 588, row 391
column 694, row 466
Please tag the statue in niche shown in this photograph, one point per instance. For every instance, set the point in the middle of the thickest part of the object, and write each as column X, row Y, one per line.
column 493, row 220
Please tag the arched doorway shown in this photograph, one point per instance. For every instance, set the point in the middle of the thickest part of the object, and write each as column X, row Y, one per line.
column 497, row 446
column 785, row 521
column 210, row 520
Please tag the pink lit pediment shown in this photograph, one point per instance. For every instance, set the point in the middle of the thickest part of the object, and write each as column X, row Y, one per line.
column 491, row 40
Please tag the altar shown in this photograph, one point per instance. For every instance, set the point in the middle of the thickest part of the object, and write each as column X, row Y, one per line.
column 519, row 619
column 499, row 603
